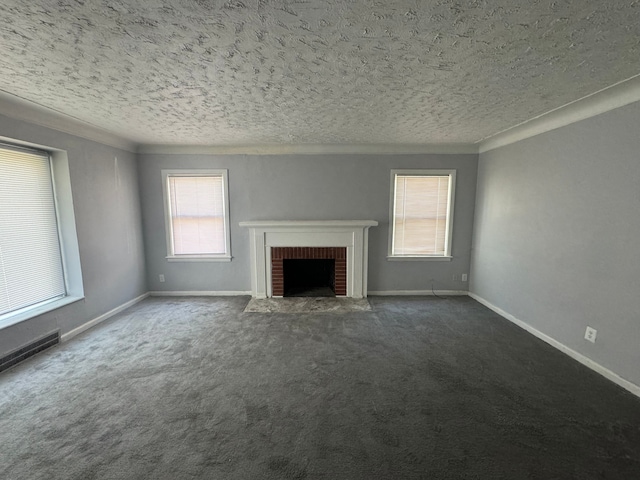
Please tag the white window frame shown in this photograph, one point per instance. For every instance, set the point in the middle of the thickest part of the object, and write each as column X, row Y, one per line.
column 447, row 256
column 171, row 256
column 67, row 234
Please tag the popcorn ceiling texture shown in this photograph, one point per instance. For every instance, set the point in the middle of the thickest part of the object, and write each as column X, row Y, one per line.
column 324, row 71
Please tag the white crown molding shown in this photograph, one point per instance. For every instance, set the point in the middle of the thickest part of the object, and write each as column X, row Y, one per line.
column 309, row 149
column 19, row 109
column 615, row 96
column 586, row 361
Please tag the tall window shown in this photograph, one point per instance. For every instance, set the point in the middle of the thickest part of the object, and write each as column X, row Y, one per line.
column 421, row 213
column 196, row 204
column 31, row 270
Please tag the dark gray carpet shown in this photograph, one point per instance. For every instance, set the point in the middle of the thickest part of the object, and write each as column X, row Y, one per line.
column 418, row 388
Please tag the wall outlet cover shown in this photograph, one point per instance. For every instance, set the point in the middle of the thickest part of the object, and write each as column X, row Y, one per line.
column 590, row 334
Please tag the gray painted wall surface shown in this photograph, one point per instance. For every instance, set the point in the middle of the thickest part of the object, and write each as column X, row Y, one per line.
column 556, row 236
column 305, row 187
column 107, row 210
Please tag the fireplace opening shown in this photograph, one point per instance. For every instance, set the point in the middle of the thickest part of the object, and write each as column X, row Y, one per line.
column 315, row 278
column 309, row 277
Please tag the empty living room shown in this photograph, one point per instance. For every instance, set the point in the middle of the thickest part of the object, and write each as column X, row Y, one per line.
column 328, row 239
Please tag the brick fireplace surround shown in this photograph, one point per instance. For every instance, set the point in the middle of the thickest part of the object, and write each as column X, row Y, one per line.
column 346, row 241
column 279, row 254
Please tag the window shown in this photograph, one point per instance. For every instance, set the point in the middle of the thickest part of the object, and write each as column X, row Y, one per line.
column 421, row 214
column 197, row 215
column 33, row 274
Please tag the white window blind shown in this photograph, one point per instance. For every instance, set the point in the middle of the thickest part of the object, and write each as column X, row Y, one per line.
column 31, row 269
column 197, row 214
column 421, row 215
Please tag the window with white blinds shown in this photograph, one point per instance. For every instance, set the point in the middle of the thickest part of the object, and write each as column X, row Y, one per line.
column 422, row 213
column 31, row 270
column 197, row 214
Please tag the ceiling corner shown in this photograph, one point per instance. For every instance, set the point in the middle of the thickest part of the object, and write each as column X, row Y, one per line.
column 615, row 96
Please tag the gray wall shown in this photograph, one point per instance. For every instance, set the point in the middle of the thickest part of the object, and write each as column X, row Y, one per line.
column 107, row 211
column 305, row 187
column 556, row 236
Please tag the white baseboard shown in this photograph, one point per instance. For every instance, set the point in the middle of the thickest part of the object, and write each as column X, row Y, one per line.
column 586, row 361
column 91, row 323
column 389, row 293
column 199, row 293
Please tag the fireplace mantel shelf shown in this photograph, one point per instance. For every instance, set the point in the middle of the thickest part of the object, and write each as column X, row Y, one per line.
column 309, row 223
column 351, row 234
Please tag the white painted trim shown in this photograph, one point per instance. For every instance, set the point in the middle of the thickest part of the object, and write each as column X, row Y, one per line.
column 615, row 96
column 198, row 258
column 199, row 293
column 17, row 108
column 586, row 361
column 285, row 225
column 264, row 234
column 310, row 149
column 417, row 293
column 448, row 241
column 13, row 318
column 184, row 172
column 609, row 98
column 425, row 258
column 91, row 323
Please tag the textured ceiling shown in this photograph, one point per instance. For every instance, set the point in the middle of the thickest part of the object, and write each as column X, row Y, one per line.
column 238, row 72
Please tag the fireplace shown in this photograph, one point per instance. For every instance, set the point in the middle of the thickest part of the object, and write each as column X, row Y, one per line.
column 343, row 241
column 298, row 269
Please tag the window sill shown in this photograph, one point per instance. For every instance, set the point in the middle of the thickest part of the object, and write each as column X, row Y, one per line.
column 424, row 258
column 14, row 318
column 198, row 258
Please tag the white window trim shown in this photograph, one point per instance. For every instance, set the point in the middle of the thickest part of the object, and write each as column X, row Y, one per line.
column 171, row 257
column 447, row 257
column 70, row 250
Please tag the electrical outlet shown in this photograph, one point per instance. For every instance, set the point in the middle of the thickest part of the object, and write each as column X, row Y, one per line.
column 464, row 277
column 161, row 278
column 590, row 334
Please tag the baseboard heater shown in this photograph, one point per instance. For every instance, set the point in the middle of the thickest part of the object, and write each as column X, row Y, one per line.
column 29, row 350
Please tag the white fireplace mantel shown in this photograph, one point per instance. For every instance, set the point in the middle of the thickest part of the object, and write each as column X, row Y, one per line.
column 352, row 234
